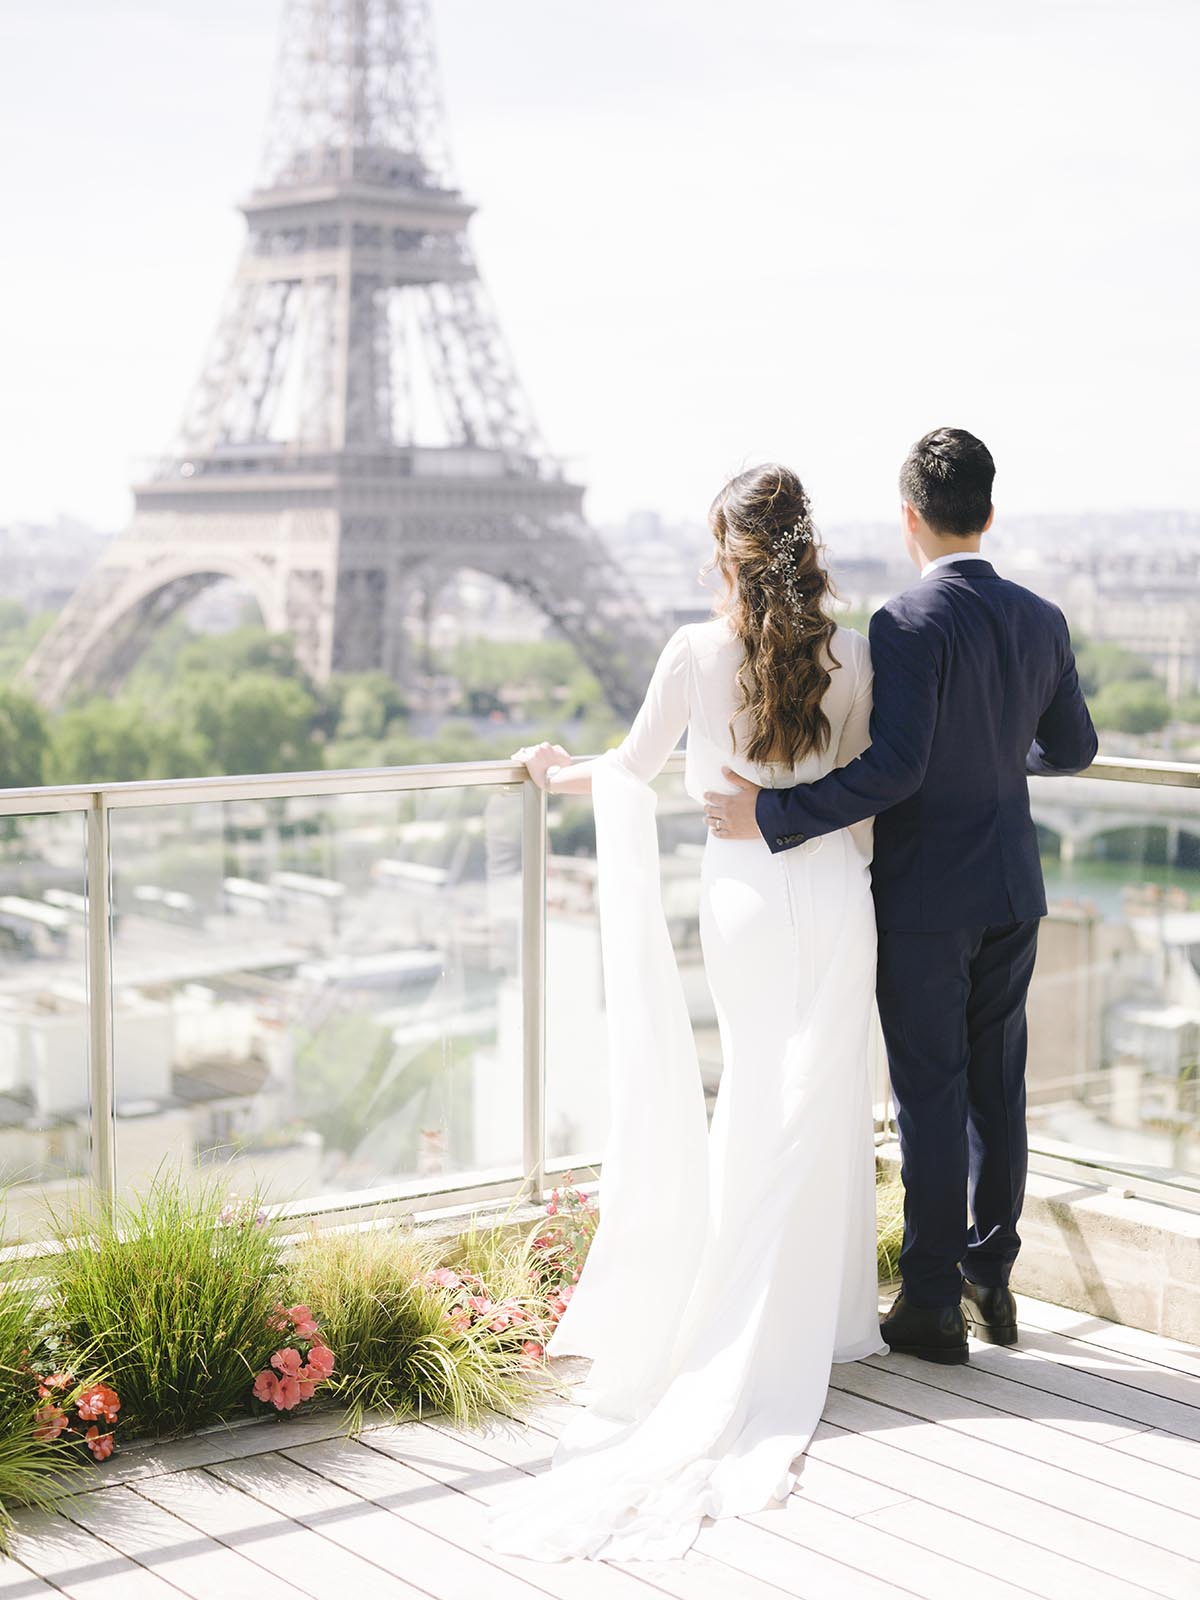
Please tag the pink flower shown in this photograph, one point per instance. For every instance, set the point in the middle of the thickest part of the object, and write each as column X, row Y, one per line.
column 98, row 1400
column 286, row 1361
column 531, row 1353
column 100, row 1444
column 303, row 1322
column 480, row 1304
column 320, row 1361
column 50, row 1420
column 287, row 1394
column 277, row 1320
column 52, row 1381
column 552, row 1205
column 444, row 1277
column 266, row 1386
column 307, row 1390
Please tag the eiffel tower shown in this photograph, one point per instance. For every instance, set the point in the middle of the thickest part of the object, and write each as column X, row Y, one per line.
column 358, row 434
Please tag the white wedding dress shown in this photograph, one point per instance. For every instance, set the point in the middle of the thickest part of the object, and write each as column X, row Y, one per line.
column 732, row 1265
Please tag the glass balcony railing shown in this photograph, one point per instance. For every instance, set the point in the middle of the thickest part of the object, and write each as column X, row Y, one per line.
column 370, row 988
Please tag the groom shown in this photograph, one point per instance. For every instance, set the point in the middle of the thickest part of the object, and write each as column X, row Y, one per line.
column 975, row 686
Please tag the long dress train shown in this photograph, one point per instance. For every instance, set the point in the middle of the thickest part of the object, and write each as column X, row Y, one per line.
column 731, row 1264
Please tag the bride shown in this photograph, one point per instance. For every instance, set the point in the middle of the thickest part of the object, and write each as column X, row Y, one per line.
column 731, row 1264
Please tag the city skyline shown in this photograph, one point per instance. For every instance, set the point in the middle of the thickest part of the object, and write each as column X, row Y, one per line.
column 1055, row 321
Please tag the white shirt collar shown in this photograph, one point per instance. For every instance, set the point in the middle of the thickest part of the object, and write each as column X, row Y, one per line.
column 945, row 561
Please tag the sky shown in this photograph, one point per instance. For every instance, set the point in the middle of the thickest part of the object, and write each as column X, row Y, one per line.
column 715, row 234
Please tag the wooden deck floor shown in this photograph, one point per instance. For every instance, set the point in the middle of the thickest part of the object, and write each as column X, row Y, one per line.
column 1068, row 1467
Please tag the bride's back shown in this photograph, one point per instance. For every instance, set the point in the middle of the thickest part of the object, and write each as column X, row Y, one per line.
column 715, row 654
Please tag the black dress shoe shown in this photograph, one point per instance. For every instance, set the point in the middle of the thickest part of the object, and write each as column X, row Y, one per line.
column 934, row 1333
column 992, row 1313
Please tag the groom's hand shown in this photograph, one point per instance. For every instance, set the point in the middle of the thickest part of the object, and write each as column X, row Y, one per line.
column 731, row 816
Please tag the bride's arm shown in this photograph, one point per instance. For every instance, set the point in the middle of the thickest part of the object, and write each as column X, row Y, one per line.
column 656, row 730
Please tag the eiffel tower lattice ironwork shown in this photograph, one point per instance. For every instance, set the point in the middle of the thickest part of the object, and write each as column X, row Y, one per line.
column 358, row 433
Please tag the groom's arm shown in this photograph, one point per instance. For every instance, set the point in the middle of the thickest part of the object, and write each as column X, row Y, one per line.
column 1066, row 739
column 891, row 768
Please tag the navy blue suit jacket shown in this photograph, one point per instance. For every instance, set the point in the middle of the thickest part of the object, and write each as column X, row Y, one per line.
column 975, row 686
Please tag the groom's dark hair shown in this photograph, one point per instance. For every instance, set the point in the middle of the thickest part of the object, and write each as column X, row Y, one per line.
column 947, row 477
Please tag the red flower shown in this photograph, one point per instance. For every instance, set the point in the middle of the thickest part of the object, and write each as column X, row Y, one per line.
column 100, row 1444
column 50, row 1420
column 96, row 1401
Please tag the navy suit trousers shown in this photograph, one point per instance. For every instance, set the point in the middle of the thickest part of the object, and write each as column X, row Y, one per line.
column 952, row 1006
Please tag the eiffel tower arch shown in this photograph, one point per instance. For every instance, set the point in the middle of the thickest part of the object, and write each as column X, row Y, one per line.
column 357, row 427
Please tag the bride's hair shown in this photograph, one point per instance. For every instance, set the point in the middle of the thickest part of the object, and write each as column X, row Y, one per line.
column 768, row 553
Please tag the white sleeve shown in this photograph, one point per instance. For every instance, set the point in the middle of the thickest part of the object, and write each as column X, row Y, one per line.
column 855, row 737
column 659, row 724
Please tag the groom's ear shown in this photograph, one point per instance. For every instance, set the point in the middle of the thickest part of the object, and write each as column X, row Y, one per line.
column 912, row 518
column 991, row 518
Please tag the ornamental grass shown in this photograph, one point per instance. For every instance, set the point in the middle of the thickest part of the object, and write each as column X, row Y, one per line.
column 889, row 1222
column 29, row 1465
column 413, row 1338
column 172, row 1297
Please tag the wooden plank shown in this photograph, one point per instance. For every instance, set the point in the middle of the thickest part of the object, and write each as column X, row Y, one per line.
column 790, row 1565
column 962, row 1515
column 171, row 1549
column 880, row 1556
column 78, row 1564
column 376, row 1474
column 826, row 1485
column 829, row 1560
column 1164, row 1449
column 456, row 1460
column 1157, row 1349
column 1041, row 1572
column 150, row 1459
column 1126, row 1371
column 1053, row 1509
column 913, row 1565
column 1077, row 1379
column 272, row 1541
column 19, row 1583
column 392, row 1541
column 1168, row 1510
column 1001, row 1392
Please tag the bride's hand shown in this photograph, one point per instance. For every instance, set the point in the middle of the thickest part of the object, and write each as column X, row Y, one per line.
column 540, row 758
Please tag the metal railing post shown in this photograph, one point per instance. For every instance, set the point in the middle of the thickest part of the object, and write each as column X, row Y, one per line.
column 533, row 988
column 101, row 1097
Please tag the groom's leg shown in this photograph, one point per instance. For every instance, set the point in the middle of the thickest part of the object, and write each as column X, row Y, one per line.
column 923, row 987
column 997, row 1034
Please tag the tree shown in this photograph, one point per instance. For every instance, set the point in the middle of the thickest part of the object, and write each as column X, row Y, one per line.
column 250, row 723
column 369, row 705
column 23, row 740
column 1138, row 706
column 99, row 741
column 1103, row 663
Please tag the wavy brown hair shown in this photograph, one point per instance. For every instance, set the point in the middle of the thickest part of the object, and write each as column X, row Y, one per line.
column 778, row 594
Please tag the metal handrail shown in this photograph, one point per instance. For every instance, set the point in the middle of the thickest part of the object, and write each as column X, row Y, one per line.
column 96, row 801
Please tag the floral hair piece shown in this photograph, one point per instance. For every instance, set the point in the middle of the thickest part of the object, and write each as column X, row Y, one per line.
column 784, row 561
